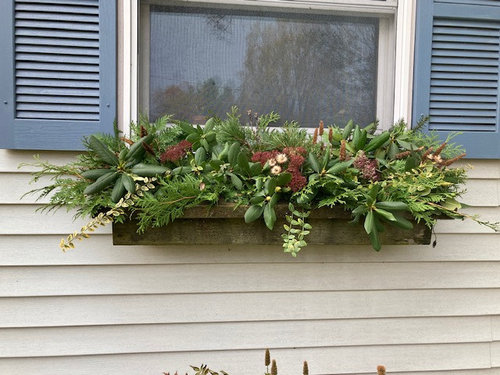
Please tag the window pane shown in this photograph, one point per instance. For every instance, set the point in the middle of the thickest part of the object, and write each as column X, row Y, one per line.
column 306, row 67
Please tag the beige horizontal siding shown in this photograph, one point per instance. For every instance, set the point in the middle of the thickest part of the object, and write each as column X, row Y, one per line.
column 240, row 336
column 19, row 250
column 225, row 307
column 234, row 278
column 104, row 309
column 332, row 360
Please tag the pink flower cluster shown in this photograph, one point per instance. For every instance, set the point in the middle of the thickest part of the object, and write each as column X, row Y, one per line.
column 291, row 157
column 263, row 156
column 367, row 167
column 295, row 154
column 176, row 152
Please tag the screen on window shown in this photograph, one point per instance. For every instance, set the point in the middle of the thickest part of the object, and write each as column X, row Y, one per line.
column 306, row 67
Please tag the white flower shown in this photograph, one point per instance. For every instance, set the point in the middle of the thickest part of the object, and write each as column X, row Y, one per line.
column 271, row 162
column 276, row 170
column 281, row 158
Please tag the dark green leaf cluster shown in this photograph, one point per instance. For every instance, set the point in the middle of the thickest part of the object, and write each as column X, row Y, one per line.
column 383, row 178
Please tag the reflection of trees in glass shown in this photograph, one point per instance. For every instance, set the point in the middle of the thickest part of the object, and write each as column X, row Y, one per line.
column 193, row 103
column 310, row 72
column 307, row 69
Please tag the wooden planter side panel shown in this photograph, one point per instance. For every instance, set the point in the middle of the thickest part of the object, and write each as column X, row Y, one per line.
column 220, row 231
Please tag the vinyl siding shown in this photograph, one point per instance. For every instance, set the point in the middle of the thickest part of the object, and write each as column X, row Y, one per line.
column 104, row 309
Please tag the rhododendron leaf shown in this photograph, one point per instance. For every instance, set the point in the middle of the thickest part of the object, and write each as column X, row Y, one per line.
column 255, row 169
column 253, row 213
column 193, row 137
column 187, row 127
column 392, row 206
column 235, row 180
column 313, row 162
column 284, row 178
column 209, row 125
column 385, row 214
column 233, row 153
column 243, row 162
column 402, row 222
column 270, row 186
column 257, row 199
column 269, row 216
column 200, row 155
column 374, row 238
column 369, row 224
column 274, row 199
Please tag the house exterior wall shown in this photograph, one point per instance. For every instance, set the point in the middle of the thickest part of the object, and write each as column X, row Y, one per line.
column 104, row 309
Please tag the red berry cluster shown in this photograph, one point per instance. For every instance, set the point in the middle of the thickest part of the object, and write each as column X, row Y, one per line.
column 293, row 160
column 263, row 156
column 176, row 152
column 367, row 167
column 296, row 159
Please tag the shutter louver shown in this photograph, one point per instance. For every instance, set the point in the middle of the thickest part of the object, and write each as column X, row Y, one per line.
column 464, row 75
column 57, row 60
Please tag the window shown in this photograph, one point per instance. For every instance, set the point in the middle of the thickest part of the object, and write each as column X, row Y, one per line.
column 306, row 64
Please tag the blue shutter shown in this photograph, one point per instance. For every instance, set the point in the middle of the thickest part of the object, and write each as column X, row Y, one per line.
column 457, row 67
column 58, row 81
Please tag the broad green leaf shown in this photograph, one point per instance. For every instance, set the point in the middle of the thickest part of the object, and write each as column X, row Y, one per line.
column 243, row 163
column 209, row 125
column 393, row 150
column 313, row 162
column 129, row 183
column 257, row 199
column 402, row 222
column 340, row 167
column 374, row 239
column 236, row 181
column 270, row 186
column 392, row 206
column 385, row 214
column 274, row 199
column 253, row 213
column 234, row 150
column 255, row 169
column 102, row 151
column 187, row 127
column 269, row 216
column 369, row 223
column 200, row 155
column 193, row 137
column 283, row 179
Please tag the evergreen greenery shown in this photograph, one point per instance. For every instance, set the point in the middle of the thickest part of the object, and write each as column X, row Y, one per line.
column 163, row 168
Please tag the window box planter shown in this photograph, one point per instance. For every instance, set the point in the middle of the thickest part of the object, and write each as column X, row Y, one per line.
column 222, row 225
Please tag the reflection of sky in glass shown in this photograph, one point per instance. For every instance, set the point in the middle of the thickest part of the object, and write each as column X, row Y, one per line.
column 195, row 56
column 187, row 47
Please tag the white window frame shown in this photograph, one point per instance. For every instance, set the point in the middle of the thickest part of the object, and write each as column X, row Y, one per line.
column 395, row 50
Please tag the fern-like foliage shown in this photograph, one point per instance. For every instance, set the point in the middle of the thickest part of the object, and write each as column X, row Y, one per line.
column 169, row 201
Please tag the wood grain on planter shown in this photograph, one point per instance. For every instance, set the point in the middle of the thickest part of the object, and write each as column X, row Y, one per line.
column 223, row 224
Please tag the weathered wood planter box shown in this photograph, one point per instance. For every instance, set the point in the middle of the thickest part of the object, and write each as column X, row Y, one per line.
column 222, row 225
